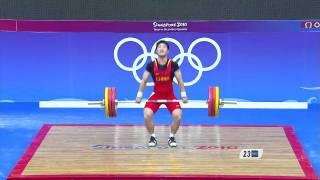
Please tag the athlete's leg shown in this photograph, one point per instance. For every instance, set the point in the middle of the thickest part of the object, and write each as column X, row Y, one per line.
column 149, row 110
column 148, row 114
column 176, row 116
column 176, row 113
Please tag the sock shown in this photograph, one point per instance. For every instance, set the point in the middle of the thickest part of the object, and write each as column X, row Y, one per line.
column 153, row 134
column 171, row 135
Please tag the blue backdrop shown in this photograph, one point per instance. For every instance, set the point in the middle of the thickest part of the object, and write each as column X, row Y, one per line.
column 260, row 61
column 255, row 66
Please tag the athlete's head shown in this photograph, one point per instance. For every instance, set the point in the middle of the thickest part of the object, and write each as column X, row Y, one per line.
column 162, row 48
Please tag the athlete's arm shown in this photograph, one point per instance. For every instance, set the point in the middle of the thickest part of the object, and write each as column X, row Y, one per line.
column 142, row 86
column 178, row 76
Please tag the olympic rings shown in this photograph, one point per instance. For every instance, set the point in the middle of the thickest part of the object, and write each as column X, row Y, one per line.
column 141, row 60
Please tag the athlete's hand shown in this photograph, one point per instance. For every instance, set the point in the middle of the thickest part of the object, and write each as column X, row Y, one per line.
column 185, row 99
column 138, row 100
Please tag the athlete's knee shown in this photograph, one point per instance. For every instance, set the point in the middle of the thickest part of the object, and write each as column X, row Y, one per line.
column 148, row 114
column 177, row 115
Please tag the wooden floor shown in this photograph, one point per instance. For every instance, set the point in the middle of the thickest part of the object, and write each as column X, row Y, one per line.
column 204, row 151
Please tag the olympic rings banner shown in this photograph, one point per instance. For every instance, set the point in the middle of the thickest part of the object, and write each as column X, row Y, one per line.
column 255, row 65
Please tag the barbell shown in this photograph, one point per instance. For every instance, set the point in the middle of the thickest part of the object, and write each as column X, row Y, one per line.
column 110, row 103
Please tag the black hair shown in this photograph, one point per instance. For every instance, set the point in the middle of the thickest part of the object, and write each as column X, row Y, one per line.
column 162, row 42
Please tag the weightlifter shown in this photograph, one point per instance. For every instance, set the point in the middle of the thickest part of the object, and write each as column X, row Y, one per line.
column 162, row 70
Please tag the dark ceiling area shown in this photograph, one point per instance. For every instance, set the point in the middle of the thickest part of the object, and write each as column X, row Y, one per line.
column 160, row 9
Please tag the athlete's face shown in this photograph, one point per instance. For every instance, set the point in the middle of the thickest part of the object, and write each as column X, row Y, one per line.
column 162, row 50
